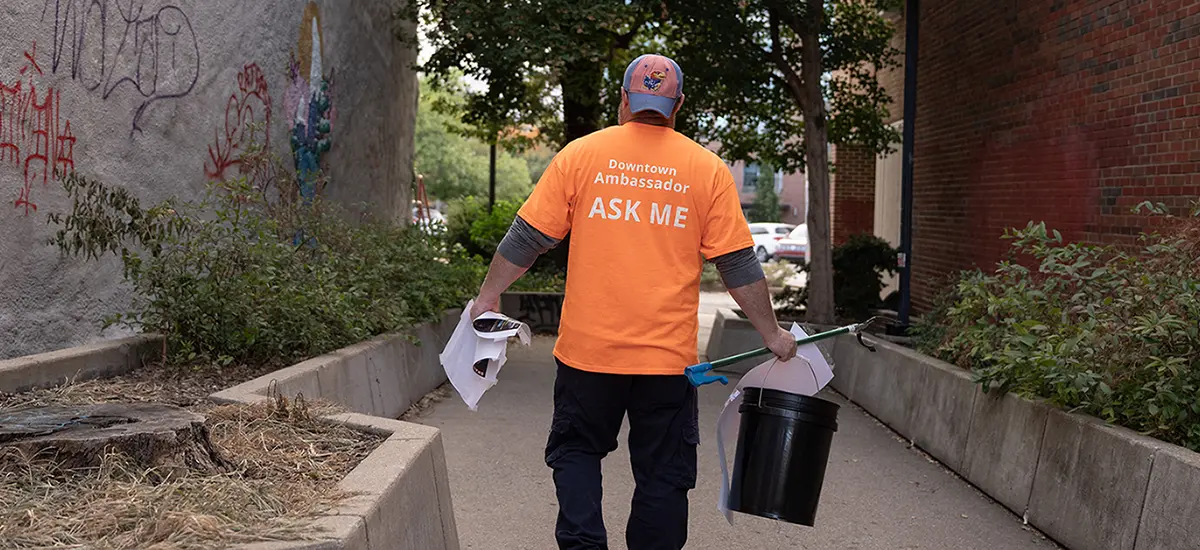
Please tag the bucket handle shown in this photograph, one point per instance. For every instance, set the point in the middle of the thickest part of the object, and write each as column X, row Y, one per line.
column 772, row 366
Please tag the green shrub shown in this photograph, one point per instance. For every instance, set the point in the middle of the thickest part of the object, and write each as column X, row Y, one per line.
column 778, row 272
column 460, row 214
column 489, row 228
column 859, row 266
column 469, row 225
column 541, row 280
column 233, row 277
column 710, row 278
column 1087, row 327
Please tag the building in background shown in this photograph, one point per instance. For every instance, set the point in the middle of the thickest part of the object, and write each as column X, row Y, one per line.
column 1064, row 111
column 791, row 188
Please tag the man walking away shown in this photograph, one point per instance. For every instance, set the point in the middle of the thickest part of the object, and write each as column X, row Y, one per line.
column 645, row 206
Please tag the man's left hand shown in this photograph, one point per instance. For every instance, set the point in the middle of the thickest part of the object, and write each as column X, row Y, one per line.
column 483, row 305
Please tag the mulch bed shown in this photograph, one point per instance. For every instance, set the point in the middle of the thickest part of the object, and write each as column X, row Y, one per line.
column 287, row 464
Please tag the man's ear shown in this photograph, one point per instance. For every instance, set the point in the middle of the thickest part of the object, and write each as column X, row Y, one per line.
column 678, row 105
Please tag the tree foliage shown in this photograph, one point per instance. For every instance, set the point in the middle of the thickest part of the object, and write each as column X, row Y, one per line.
column 543, row 63
column 744, row 85
column 778, row 82
column 768, row 80
column 455, row 165
column 766, row 200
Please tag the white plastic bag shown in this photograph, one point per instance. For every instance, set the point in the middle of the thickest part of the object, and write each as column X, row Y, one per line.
column 475, row 354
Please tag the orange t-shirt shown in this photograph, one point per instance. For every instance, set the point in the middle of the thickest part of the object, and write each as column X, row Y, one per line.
column 642, row 204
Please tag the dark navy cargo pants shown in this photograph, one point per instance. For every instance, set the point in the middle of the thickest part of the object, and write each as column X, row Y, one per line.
column 663, row 436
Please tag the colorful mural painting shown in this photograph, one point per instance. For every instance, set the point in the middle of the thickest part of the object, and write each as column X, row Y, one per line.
column 309, row 103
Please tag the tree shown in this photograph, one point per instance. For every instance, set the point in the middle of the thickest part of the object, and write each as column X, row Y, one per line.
column 769, row 80
column 779, row 81
column 546, row 63
column 766, row 200
column 455, row 165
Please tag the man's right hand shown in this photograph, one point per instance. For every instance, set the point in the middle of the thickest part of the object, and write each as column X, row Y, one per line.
column 782, row 344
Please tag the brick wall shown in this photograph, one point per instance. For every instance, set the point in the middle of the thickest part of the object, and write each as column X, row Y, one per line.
column 852, row 192
column 1063, row 111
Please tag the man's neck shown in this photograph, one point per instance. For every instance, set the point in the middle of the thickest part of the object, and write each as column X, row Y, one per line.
column 652, row 120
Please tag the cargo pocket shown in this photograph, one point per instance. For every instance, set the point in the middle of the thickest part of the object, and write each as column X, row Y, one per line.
column 560, row 433
column 683, row 467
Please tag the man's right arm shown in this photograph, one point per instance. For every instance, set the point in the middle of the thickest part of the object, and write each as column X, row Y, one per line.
column 744, row 278
column 726, row 240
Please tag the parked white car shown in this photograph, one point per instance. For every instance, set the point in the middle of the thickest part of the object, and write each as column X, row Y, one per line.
column 766, row 236
column 794, row 247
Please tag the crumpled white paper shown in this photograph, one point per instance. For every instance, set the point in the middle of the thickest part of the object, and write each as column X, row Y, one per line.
column 806, row 374
column 468, row 346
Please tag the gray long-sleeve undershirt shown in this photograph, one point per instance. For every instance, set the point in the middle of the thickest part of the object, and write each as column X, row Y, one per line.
column 524, row 243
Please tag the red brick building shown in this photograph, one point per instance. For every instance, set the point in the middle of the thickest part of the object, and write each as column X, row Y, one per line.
column 1064, row 111
column 792, row 190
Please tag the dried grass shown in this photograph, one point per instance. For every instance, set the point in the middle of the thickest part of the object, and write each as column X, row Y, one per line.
column 425, row 403
column 288, row 465
column 179, row 386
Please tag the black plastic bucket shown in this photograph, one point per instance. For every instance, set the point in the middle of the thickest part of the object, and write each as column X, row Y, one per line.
column 782, row 449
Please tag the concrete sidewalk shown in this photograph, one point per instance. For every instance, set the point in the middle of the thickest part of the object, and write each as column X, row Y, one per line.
column 878, row 492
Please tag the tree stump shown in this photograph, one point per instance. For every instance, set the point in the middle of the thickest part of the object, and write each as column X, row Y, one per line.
column 171, row 440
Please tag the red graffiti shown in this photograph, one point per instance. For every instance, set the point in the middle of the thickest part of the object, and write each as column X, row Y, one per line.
column 33, row 135
column 239, row 111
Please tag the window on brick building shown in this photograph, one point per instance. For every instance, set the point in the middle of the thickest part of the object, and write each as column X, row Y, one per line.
column 750, row 175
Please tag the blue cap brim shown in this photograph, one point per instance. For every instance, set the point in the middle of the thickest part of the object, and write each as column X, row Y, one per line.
column 646, row 102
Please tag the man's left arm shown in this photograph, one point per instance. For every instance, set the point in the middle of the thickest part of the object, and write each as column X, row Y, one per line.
column 541, row 223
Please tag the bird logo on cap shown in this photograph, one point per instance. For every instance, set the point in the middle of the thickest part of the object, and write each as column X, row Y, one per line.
column 654, row 80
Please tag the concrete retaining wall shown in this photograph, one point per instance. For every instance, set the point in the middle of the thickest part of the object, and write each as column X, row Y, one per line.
column 542, row 311
column 153, row 96
column 400, row 492
column 731, row 335
column 1087, row 484
column 383, row 376
column 100, row 360
column 400, row 495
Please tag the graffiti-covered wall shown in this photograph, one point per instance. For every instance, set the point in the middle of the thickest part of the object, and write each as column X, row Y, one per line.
column 153, row 95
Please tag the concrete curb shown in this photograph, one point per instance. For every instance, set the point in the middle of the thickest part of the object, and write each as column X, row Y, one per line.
column 383, row 376
column 732, row 334
column 99, row 360
column 392, row 495
column 1083, row 482
column 400, row 493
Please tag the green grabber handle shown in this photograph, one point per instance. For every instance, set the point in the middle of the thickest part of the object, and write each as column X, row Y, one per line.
column 696, row 376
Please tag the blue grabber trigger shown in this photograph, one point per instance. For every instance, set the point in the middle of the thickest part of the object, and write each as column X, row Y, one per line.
column 695, row 375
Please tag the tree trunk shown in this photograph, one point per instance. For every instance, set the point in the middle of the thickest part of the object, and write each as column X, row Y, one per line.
column 582, row 110
column 820, row 307
column 171, row 440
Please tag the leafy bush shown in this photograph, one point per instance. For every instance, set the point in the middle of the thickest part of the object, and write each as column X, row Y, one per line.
column 1089, row 327
column 460, row 214
column 489, row 228
column 710, row 278
column 778, row 272
column 235, row 277
column 858, row 269
column 469, row 225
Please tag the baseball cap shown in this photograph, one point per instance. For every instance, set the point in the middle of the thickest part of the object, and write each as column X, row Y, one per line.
column 654, row 83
